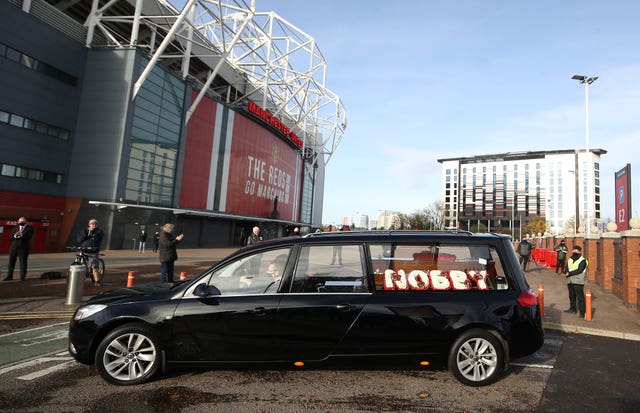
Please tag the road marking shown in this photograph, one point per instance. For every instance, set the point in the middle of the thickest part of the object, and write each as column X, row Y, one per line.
column 538, row 366
column 34, row 362
column 49, row 370
column 24, row 316
column 31, row 329
column 42, row 338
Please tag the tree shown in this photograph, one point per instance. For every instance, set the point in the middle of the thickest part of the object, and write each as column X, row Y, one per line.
column 431, row 217
column 418, row 220
column 536, row 225
column 399, row 221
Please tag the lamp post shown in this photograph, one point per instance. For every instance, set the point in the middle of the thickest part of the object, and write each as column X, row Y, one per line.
column 587, row 80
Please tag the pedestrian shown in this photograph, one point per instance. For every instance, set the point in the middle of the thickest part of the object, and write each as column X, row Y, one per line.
column 156, row 241
column 90, row 240
column 561, row 261
column 167, row 246
column 254, row 237
column 20, row 238
column 142, row 241
column 576, row 278
column 296, row 232
column 524, row 249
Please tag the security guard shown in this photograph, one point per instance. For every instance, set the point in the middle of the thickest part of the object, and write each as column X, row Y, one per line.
column 576, row 278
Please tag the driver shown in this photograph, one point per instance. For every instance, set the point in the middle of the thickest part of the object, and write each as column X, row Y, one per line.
column 272, row 275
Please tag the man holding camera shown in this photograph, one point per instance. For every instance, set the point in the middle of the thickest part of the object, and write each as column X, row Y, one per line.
column 20, row 243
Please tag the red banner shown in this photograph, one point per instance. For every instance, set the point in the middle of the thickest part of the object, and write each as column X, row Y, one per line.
column 623, row 197
column 262, row 167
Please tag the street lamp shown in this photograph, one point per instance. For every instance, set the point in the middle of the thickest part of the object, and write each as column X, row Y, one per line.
column 587, row 80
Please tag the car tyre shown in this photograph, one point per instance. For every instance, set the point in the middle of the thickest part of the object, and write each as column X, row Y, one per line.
column 476, row 358
column 128, row 355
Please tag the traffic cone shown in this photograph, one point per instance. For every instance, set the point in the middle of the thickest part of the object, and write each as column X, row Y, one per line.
column 183, row 276
column 131, row 278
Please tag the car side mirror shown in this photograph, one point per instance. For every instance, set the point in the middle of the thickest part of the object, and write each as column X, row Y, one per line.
column 204, row 290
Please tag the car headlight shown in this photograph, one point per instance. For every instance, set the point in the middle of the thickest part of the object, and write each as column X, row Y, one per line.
column 88, row 310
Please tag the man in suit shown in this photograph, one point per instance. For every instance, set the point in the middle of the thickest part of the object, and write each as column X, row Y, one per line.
column 20, row 239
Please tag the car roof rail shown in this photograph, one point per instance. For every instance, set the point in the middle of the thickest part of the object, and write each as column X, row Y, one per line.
column 390, row 232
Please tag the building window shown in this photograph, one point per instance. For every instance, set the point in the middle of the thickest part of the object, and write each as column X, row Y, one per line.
column 14, row 171
column 27, row 123
column 37, row 65
column 155, row 139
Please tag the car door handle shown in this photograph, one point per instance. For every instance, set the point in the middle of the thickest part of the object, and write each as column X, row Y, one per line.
column 259, row 311
column 343, row 307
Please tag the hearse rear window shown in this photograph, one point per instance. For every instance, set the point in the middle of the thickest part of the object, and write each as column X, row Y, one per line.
column 401, row 267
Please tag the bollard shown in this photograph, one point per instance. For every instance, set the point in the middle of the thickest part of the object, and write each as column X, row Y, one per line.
column 183, row 276
column 587, row 305
column 541, row 298
column 131, row 278
column 75, row 284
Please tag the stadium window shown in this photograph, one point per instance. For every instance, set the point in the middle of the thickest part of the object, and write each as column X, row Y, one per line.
column 13, row 54
column 29, row 124
column 41, row 127
column 8, row 170
column 16, row 120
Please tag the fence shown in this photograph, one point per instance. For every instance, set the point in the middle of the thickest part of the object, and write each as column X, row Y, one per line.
column 614, row 261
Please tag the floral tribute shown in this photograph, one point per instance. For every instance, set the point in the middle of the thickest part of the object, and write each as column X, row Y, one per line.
column 435, row 280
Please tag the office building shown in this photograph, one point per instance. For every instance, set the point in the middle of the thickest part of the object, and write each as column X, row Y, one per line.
column 505, row 191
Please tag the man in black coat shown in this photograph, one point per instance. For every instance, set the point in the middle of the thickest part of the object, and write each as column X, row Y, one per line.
column 20, row 239
column 167, row 252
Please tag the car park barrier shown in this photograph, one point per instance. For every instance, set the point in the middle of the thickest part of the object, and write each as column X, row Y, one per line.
column 75, row 284
column 587, row 305
column 541, row 298
column 131, row 279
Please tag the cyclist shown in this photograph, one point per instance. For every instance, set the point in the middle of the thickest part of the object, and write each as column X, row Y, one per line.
column 90, row 240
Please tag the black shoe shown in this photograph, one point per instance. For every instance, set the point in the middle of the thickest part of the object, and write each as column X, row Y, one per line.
column 582, row 316
column 570, row 311
column 23, row 278
column 7, row 279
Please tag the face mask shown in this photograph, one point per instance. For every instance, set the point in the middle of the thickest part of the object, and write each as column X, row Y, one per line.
column 22, row 224
column 575, row 255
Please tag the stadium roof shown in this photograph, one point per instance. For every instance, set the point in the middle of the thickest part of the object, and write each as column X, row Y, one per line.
column 225, row 48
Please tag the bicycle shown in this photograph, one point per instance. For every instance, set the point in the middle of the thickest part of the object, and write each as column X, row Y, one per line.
column 83, row 259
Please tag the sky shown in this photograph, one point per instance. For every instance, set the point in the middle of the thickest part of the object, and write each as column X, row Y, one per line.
column 430, row 79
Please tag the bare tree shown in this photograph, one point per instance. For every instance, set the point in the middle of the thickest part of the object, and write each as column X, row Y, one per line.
column 435, row 214
column 431, row 217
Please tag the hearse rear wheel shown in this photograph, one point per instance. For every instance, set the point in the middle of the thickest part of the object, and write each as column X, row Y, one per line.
column 476, row 358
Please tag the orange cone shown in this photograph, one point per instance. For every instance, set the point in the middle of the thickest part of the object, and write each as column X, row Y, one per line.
column 183, row 276
column 131, row 278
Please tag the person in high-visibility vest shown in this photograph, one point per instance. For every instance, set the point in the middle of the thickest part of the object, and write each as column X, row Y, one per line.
column 576, row 277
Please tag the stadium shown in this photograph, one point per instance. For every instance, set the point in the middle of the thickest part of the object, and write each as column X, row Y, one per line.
column 214, row 117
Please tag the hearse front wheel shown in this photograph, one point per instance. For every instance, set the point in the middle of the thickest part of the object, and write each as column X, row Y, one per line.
column 128, row 355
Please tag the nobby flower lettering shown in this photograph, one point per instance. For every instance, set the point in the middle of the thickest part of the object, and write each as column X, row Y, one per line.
column 435, row 280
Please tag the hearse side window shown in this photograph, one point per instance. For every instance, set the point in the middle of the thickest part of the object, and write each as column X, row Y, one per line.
column 255, row 274
column 330, row 269
column 436, row 267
